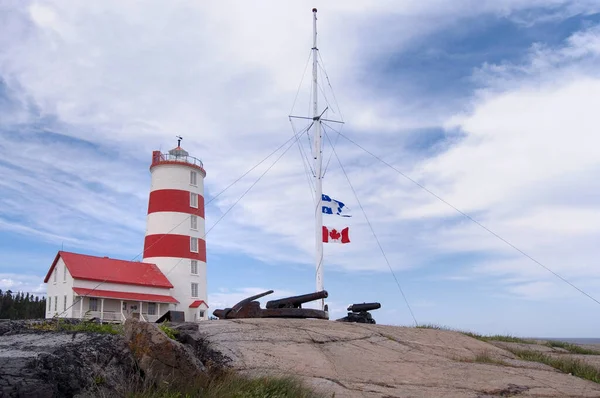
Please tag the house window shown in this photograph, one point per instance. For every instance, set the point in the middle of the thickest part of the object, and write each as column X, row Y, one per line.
column 193, row 178
column 55, row 303
column 65, row 273
column 193, row 200
column 55, row 272
column 124, row 308
column 194, row 244
column 93, row 304
column 193, row 222
column 49, row 303
column 194, row 267
column 65, row 304
column 194, row 290
column 151, row 308
column 201, row 314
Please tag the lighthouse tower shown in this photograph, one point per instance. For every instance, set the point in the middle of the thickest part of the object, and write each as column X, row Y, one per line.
column 175, row 228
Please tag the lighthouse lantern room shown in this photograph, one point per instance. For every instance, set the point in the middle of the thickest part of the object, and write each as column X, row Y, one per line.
column 175, row 229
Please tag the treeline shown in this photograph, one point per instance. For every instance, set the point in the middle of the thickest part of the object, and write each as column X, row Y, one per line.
column 21, row 306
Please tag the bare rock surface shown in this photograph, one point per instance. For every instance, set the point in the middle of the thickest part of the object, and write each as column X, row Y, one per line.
column 36, row 363
column 361, row 360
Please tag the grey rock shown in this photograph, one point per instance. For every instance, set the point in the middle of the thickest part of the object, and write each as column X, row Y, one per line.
column 35, row 363
column 162, row 359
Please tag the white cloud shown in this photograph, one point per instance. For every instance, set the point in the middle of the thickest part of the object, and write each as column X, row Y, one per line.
column 546, row 66
column 32, row 284
column 128, row 77
column 526, row 170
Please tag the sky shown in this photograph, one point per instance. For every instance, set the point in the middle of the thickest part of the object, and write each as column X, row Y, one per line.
column 473, row 184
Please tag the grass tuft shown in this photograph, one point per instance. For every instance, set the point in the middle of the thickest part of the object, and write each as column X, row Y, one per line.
column 60, row 325
column 432, row 326
column 575, row 349
column 573, row 366
column 232, row 385
column 499, row 337
column 496, row 337
column 169, row 331
column 484, row 357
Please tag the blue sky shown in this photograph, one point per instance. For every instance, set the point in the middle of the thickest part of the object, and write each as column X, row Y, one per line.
column 488, row 104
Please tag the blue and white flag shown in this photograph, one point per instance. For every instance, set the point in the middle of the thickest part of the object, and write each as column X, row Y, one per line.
column 332, row 206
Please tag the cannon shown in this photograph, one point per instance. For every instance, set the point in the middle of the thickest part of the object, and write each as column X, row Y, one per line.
column 359, row 313
column 289, row 307
column 364, row 307
column 297, row 301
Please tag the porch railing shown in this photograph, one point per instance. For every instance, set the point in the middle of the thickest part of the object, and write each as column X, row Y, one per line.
column 110, row 316
column 151, row 318
column 167, row 157
column 114, row 316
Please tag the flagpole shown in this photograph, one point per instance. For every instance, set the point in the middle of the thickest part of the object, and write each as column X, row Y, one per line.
column 318, row 167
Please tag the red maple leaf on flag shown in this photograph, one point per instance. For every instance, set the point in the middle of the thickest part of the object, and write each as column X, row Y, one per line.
column 335, row 234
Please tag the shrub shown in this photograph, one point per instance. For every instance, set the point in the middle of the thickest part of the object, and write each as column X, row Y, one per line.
column 169, row 331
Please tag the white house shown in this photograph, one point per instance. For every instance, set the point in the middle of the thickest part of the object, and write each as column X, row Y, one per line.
column 81, row 286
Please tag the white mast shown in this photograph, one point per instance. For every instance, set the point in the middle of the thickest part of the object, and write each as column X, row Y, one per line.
column 318, row 167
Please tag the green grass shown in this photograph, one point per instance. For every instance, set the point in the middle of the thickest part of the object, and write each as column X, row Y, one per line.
column 496, row 337
column 432, row 326
column 484, row 357
column 232, row 385
column 566, row 364
column 170, row 332
column 58, row 325
column 575, row 349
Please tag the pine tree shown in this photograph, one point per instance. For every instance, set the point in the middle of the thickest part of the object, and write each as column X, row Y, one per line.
column 21, row 305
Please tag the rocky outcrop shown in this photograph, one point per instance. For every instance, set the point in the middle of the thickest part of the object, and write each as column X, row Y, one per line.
column 361, row 360
column 350, row 360
column 40, row 363
column 161, row 359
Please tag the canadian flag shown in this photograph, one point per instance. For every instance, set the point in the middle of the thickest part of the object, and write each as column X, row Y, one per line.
column 334, row 236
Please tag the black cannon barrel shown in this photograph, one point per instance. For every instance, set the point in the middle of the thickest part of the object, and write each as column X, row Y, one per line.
column 364, row 307
column 294, row 301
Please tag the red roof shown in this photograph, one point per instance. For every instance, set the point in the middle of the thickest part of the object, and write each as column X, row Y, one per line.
column 110, row 270
column 197, row 304
column 154, row 298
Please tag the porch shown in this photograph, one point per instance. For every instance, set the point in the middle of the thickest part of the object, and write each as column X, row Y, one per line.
column 103, row 305
column 108, row 310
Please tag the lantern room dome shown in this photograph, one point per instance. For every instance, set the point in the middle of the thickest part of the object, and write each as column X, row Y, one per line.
column 179, row 151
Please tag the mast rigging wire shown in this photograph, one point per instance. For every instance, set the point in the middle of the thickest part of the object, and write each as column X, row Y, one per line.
column 372, row 230
column 470, row 218
column 188, row 217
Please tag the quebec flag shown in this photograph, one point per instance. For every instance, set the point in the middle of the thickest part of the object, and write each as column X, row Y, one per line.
column 332, row 206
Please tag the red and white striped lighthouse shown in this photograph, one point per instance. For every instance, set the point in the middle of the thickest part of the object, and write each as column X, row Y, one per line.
column 175, row 228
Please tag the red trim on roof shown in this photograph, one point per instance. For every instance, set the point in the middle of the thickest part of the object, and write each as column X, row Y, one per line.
column 110, row 270
column 198, row 303
column 176, row 200
column 52, row 267
column 178, row 246
column 153, row 298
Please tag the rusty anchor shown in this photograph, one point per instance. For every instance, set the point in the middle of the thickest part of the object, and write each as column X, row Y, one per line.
column 288, row 307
